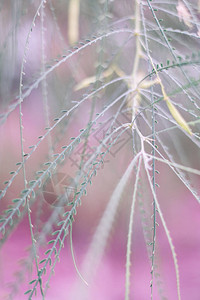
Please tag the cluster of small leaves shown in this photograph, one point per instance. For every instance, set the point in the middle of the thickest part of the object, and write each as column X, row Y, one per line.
column 154, row 117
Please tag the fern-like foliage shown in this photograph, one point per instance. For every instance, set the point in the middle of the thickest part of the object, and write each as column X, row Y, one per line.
column 99, row 116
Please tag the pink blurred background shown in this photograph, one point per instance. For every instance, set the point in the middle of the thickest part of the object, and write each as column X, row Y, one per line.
column 180, row 209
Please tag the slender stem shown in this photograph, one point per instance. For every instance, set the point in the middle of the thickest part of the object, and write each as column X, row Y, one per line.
column 128, row 251
column 138, row 45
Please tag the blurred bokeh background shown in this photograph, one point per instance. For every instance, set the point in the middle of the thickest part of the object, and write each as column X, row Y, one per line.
column 40, row 76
